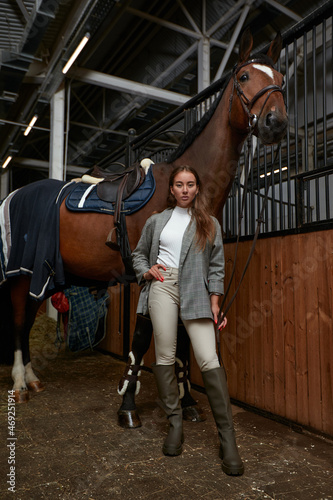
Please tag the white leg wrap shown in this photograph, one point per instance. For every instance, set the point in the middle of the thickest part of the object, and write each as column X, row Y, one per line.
column 18, row 372
column 121, row 391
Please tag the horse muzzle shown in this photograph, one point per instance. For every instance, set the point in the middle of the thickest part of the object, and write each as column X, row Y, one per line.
column 271, row 128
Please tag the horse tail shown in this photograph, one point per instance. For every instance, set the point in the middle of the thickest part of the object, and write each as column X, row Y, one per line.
column 6, row 327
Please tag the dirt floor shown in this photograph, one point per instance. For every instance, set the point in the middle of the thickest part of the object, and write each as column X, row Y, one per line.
column 69, row 446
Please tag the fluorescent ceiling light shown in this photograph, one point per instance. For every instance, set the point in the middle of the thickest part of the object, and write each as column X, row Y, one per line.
column 7, row 161
column 275, row 172
column 31, row 124
column 76, row 53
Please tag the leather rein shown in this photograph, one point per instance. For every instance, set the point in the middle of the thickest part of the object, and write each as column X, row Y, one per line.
column 247, row 105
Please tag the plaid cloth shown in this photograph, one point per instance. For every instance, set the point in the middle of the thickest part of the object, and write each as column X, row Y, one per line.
column 87, row 318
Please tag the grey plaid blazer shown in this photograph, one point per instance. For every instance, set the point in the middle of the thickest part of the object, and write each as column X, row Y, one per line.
column 201, row 273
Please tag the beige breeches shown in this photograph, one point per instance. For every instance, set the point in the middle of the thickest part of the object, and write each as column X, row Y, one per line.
column 164, row 311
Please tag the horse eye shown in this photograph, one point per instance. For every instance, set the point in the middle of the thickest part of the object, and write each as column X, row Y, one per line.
column 244, row 77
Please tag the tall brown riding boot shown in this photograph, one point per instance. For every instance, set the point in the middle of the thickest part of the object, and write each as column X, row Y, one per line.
column 218, row 396
column 168, row 392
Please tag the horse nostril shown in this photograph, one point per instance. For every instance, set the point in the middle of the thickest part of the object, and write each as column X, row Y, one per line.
column 269, row 119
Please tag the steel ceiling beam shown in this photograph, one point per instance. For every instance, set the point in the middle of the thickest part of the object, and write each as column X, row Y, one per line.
column 123, row 85
column 284, row 10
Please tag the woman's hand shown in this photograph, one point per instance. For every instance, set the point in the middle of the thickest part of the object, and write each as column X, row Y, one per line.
column 214, row 300
column 154, row 272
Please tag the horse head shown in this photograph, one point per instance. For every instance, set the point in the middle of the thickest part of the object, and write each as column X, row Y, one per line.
column 257, row 100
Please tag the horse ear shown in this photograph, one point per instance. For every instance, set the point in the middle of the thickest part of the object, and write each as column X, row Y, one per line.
column 275, row 48
column 245, row 46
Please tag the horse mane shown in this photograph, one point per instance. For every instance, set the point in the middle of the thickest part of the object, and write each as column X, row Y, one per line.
column 196, row 130
column 198, row 127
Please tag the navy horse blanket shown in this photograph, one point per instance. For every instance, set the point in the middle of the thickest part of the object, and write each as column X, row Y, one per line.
column 29, row 243
column 30, row 223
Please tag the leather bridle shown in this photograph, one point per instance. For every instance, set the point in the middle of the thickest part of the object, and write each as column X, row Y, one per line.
column 247, row 103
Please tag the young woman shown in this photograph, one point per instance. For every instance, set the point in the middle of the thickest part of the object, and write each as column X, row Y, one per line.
column 180, row 261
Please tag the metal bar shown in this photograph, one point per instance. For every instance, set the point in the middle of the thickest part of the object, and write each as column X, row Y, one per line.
column 327, row 192
column 282, row 224
column 23, row 9
column 299, row 196
column 315, row 140
column 274, row 226
column 266, row 181
column 284, row 10
column 295, row 109
column 24, row 125
column 85, row 107
column 290, row 215
column 258, row 185
column 324, row 92
column 233, row 10
column 306, row 120
column 188, row 16
column 203, row 64
column 165, row 24
column 233, row 40
column 282, row 219
column 123, row 85
column 252, row 198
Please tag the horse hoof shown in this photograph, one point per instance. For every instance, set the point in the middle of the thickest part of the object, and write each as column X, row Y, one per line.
column 129, row 419
column 36, row 386
column 193, row 414
column 21, row 396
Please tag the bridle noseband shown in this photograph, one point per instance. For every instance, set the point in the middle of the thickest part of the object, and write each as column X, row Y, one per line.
column 247, row 103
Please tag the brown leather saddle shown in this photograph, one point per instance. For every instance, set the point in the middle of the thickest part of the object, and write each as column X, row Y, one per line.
column 118, row 185
column 115, row 188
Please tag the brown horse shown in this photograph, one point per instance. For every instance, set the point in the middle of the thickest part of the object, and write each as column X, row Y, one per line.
column 253, row 100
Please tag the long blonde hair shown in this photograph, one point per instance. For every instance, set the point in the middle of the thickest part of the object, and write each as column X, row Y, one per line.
column 205, row 228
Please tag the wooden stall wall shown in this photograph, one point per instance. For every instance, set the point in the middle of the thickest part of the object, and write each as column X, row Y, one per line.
column 278, row 345
column 113, row 341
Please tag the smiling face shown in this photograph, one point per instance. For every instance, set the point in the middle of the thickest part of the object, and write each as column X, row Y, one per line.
column 184, row 189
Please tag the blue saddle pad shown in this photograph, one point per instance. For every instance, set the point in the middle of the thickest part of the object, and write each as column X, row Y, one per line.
column 84, row 198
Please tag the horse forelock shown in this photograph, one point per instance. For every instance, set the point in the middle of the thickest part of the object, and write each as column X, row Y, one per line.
column 257, row 59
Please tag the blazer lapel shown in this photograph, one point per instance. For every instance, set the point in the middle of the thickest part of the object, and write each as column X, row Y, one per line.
column 187, row 241
column 160, row 223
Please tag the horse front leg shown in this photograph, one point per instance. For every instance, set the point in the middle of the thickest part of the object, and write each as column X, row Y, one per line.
column 24, row 313
column 129, row 385
column 191, row 410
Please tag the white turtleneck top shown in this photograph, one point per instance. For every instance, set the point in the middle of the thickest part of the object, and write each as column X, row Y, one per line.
column 172, row 236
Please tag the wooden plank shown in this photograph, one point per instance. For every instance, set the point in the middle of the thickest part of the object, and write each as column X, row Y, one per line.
column 267, row 325
column 228, row 337
column 242, row 332
column 324, row 255
column 312, row 281
column 301, row 353
column 277, row 326
column 252, row 305
column 289, row 269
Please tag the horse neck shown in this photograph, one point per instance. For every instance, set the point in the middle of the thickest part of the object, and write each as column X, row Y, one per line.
column 215, row 154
